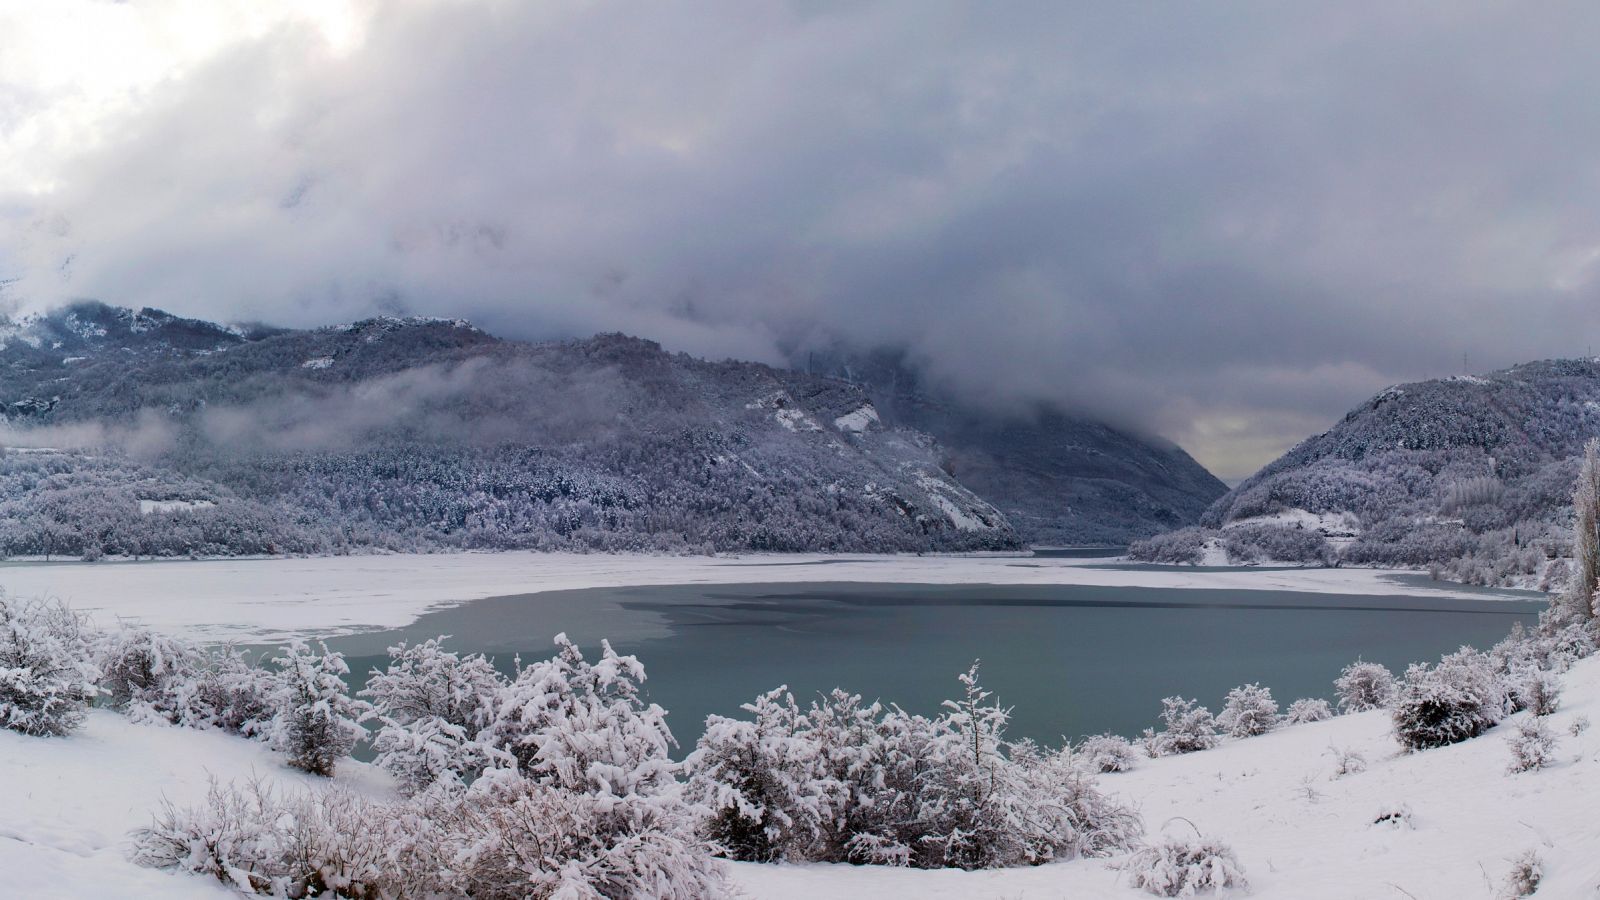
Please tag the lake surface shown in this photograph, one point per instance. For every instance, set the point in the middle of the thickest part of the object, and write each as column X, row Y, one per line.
column 1071, row 659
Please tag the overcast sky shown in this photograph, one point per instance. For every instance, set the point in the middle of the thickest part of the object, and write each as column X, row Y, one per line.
column 1226, row 223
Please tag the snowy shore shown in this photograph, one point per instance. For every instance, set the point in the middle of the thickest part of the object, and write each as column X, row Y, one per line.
column 1300, row 833
column 272, row 599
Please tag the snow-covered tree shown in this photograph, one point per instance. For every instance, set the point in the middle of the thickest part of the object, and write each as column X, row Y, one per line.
column 1459, row 698
column 432, row 706
column 47, row 672
column 1248, row 711
column 1363, row 686
column 316, row 722
column 1308, row 709
column 1586, row 534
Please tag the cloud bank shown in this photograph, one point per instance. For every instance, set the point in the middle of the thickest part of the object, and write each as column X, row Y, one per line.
column 1226, row 223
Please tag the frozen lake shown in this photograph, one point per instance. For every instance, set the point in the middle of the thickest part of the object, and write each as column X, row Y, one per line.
column 1073, row 659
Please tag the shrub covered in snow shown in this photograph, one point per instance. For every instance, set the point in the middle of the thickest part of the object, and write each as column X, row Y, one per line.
column 1527, row 870
column 1347, row 761
column 327, row 843
column 1394, row 815
column 1537, row 692
column 1185, row 546
column 1308, row 709
column 1248, row 711
column 1187, row 728
column 154, row 678
column 47, row 672
column 1106, row 753
column 315, row 721
column 1459, row 698
column 761, row 782
column 1177, row 868
column 845, row 782
column 513, row 836
column 1363, row 686
column 432, row 706
column 1531, row 745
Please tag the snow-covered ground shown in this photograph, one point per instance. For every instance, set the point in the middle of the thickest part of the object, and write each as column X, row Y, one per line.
column 1300, row 833
column 271, row 599
column 1303, row 834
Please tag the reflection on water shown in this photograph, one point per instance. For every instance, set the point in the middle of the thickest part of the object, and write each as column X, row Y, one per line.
column 1071, row 659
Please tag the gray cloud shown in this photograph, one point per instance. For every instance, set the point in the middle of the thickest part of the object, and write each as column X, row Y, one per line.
column 1227, row 223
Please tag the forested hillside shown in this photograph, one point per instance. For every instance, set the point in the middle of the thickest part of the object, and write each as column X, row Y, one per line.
column 138, row 433
column 1472, row 475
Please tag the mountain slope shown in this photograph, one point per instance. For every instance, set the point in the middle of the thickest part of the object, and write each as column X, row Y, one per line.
column 1473, row 474
column 168, row 435
column 1060, row 479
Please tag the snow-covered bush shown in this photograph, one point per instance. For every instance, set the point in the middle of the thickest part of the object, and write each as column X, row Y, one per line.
column 315, row 722
column 432, row 706
column 1578, row 726
column 1459, row 698
column 847, row 782
column 1186, row 546
column 513, row 836
column 1248, row 711
column 1394, row 815
column 1347, row 761
column 1308, row 709
column 1177, row 868
column 142, row 673
column 1527, row 870
column 154, row 678
column 583, row 726
column 324, row 843
column 1187, row 728
column 233, row 695
column 761, row 782
column 47, row 671
column 1363, row 686
column 1106, row 753
column 1531, row 745
column 1537, row 692
column 585, row 800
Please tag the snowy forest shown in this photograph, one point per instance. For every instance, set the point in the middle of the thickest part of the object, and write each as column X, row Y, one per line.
column 1468, row 476
column 168, row 437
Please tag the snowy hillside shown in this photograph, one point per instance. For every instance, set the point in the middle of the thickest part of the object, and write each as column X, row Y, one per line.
column 141, row 434
column 1472, row 476
column 1059, row 478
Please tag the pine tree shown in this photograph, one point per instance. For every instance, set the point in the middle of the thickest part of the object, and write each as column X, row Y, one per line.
column 317, row 720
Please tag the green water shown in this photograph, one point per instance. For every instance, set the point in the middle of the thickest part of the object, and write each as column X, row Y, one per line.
column 1071, row 659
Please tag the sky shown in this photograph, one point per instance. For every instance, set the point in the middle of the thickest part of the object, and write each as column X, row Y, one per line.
column 1224, row 223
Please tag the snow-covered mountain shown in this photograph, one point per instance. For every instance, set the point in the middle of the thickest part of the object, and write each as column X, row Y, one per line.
column 1473, row 474
column 137, row 432
column 1059, row 478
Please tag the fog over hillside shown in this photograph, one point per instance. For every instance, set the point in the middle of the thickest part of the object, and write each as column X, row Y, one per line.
column 137, row 433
